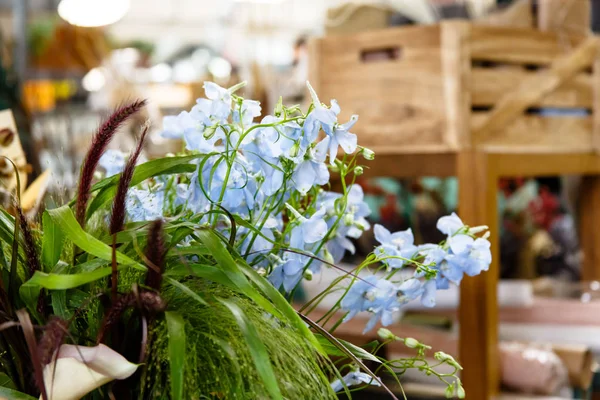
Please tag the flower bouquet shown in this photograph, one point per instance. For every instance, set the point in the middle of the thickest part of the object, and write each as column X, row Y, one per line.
column 174, row 278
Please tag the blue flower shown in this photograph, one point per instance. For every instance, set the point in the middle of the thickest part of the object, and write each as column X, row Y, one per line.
column 144, row 205
column 378, row 296
column 353, row 378
column 312, row 171
column 450, row 224
column 475, row 258
column 221, row 101
column 309, row 230
column 192, row 196
column 113, row 162
column 250, row 110
column 289, row 272
column 319, row 117
column 341, row 137
column 398, row 244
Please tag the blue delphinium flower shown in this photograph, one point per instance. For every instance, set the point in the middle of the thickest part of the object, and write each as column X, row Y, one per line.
column 398, row 244
column 450, row 224
column 352, row 225
column 309, row 230
column 353, row 378
column 289, row 272
column 378, row 296
column 192, row 196
column 249, row 110
column 321, row 117
column 312, row 171
column 144, row 205
column 342, row 137
column 113, row 162
column 221, row 101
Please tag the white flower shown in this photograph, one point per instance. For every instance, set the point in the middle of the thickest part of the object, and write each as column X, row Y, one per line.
column 78, row 370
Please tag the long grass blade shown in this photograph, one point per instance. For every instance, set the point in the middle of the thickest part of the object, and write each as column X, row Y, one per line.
column 347, row 352
column 177, row 339
column 257, row 349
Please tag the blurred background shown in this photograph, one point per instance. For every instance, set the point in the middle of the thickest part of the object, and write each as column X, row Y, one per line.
column 64, row 64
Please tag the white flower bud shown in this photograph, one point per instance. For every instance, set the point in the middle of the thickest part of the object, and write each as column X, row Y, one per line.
column 308, row 275
column 450, row 391
column 358, row 170
column 328, row 257
column 210, row 131
column 386, row 334
column 261, row 271
column 348, row 219
column 368, row 154
column 411, row 343
column 446, row 358
column 460, row 392
column 478, row 229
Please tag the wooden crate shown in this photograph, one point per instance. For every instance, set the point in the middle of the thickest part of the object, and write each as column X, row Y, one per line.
column 458, row 85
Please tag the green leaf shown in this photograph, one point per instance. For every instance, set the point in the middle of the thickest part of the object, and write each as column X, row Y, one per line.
column 6, row 393
column 257, row 349
column 176, row 328
column 232, row 271
column 66, row 281
column 209, row 272
column 6, row 382
column 282, row 304
column 59, row 304
column 164, row 166
column 52, row 242
column 64, row 218
column 333, row 350
column 187, row 291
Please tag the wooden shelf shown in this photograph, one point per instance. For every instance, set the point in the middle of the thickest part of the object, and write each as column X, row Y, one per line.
column 455, row 99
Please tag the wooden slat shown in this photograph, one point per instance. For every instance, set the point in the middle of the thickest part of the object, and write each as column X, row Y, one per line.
column 546, row 311
column 391, row 164
column 519, row 45
column 589, row 234
column 542, row 134
column 478, row 312
column 456, row 61
column 488, row 85
column 533, row 89
column 567, row 16
column 532, row 164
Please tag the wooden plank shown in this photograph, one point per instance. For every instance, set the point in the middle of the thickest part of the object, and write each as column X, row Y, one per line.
column 596, row 104
column 533, row 89
column 518, row 14
column 478, row 312
column 536, row 133
column 314, row 60
column 456, row 62
column 520, row 45
column 566, row 16
column 488, row 85
column 545, row 310
column 589, row 234
column 532, row 164
column 409, row 165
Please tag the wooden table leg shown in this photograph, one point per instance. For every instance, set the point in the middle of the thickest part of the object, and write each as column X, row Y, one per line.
column 478, row 312
column 589, row 227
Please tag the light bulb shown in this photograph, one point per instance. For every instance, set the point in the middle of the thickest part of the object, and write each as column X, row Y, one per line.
column 91, row 13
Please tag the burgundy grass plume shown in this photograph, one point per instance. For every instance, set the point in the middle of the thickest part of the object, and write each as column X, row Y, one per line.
column 155, row 254
column 118, row 210
column 29, row 246
column 100, row 142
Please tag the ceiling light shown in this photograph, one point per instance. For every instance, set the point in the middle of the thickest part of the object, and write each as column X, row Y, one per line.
column 90, row 13
column 219, row 67
column 94, row 80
